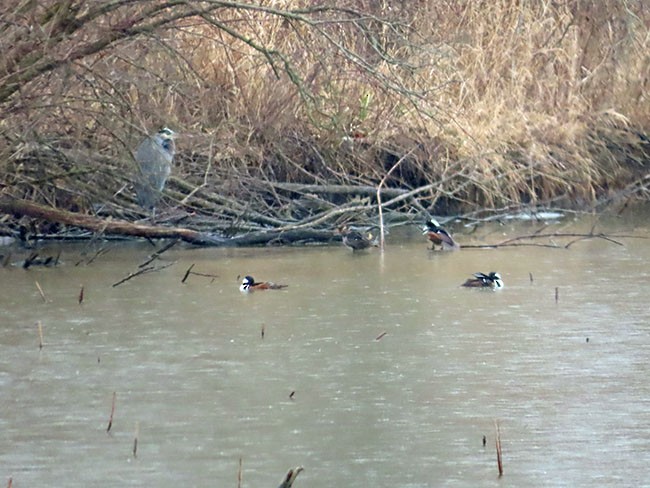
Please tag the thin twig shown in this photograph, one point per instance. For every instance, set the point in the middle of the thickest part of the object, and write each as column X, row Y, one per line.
column 187, row 273
column 498, row 448
column 239, row 473
column 40, row 334
column 149, row 269
column 135, row 439
column 110, row 419
column 157, row 254
column 379, row 207
column 40, row 290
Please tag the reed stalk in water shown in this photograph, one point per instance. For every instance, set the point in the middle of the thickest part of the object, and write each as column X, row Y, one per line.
column 40, row 334
column 40, row 290
column 239, row 473
column 498, row 448
column 110, row 419
column 135, row 439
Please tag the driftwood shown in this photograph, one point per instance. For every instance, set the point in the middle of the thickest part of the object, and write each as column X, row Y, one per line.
column 576, row 237
column 290, row 477
column 101, row 226
column 141, row 271
column 111, row 226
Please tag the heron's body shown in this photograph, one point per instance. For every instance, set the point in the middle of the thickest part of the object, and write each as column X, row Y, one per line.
column 154, row 156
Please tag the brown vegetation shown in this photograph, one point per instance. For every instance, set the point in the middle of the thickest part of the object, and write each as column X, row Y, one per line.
column 292, row 114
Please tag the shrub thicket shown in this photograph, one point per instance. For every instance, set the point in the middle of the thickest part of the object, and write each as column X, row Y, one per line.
column 479, row 104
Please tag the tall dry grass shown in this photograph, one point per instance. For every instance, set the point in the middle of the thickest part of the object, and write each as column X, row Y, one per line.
column 496, row 103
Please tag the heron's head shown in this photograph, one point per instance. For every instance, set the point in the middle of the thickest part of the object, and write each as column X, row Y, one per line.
column 165, row 137
column 167, row 133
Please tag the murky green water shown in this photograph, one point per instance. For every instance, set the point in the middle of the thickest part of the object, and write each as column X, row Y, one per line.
column 567, row 381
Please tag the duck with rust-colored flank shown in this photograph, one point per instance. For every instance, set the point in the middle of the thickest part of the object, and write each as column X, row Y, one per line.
column 491, row 280
column 249, row 284
column 355, row 240
column 439, row 236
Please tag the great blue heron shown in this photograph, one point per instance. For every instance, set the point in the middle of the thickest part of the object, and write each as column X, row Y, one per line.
column 154, row 157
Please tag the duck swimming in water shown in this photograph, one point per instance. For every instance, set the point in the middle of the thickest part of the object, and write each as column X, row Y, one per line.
column 249, row 284
column 492, row 280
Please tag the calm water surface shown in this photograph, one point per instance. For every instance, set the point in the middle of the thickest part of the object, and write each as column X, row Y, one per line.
column 567, row 381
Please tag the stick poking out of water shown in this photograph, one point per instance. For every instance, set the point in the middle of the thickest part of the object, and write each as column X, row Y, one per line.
column 190, row 272
column 40, row 334
column 81, row 294
column 557, row 294
column 110, row 419
column 135, row 439
column 239, row 473
column 187, row 273
column 291, row 477
column 498, row 447
column 40, row 290
column 379, row 203
column 381, row 336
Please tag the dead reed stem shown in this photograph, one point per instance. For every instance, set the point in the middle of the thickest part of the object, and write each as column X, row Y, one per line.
column 379, row 206
column 187, row 273
column 381, row 336
column 81, row 295
column 239, row 473
column 40, row 290
column 110, row 418
column 40, row 334
column 135, row 439
column 498, row 448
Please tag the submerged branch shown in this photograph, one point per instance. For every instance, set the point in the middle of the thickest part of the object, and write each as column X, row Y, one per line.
column 516, row 241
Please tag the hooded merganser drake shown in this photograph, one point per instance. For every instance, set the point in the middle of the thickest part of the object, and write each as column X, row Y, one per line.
column 355, row 240
column 249, row 284
column 481, row 280
column 439, row 236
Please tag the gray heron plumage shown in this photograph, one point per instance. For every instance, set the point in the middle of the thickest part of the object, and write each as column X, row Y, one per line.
column 154, row 157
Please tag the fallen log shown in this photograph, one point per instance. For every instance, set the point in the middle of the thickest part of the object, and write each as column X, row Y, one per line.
column 111, row 226
column 108, row 226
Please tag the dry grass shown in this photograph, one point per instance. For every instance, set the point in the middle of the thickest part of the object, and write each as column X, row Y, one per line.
column 497, row 103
